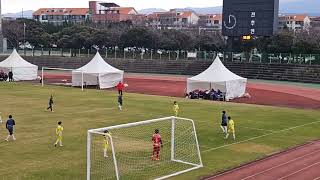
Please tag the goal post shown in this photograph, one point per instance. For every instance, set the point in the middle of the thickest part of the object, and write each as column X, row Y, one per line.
column 130, row 150
column 56, row 75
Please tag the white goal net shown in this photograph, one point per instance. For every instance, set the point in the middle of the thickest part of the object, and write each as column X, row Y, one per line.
column 128, row 151
column 59, row 76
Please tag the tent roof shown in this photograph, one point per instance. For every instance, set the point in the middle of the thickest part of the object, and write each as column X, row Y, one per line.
column 217, row 72
column 98, row 66
column 15, row 60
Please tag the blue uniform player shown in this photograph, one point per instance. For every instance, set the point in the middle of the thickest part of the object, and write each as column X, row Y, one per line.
column 9, row 125
column 224, row 122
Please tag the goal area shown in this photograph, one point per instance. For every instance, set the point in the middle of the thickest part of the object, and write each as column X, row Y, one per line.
column 130, row 149
column 60, row 76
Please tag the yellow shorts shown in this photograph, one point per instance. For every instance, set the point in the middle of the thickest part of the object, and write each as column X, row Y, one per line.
column 59, row 138
column 105, row 146
column 231, row 130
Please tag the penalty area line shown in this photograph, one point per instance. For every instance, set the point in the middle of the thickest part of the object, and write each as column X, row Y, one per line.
column 257, row 137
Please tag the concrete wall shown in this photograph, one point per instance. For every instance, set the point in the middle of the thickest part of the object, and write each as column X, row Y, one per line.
column 285, row 72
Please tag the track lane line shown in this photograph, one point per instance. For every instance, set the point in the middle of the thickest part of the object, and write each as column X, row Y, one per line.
column 314, row 164
column 282, row 164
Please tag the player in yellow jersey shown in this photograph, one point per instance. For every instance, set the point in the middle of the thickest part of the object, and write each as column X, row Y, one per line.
column 59, row 131
column 176, row 108
column 105, row 143
column 231, row 128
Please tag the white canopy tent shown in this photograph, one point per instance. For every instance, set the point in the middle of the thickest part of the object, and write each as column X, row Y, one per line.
column 97, row 72
column 21, row 69
column 217, row 76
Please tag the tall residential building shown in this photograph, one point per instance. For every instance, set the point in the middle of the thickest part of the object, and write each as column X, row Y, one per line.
column 58, row 16
column 294, row 22
column 103, row 12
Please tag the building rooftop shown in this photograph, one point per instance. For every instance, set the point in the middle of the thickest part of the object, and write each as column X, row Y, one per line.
column 61, row 11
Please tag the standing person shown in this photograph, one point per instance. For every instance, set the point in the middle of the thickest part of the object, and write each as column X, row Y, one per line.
column 224, row 122
column 157, row 143
column 231, row 129
column 51, row 103
column 10, row 74
column 59, row 131
column 120, row 87
column 105, row 143
column 120, row 102
column 10, row 126
column 176, row 108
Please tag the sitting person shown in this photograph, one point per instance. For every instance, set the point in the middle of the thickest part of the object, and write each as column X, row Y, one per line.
column 1, row 75
column 5, row 76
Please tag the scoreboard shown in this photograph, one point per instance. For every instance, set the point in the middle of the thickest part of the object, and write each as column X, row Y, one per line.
column 250, row 17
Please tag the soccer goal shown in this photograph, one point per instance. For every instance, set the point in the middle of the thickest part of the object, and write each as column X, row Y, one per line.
column 59, row 76
column 130, row 148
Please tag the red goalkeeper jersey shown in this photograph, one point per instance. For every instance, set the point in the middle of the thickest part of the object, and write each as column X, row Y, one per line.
column 156, row 139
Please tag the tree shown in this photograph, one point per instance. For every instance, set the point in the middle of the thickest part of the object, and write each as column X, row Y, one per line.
column 210, row 42
column 176, row 40
column 13, row 31
column 138, row 37
column 36, row 34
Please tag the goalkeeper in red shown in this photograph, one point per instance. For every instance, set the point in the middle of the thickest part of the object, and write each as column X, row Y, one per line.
column 157, row 144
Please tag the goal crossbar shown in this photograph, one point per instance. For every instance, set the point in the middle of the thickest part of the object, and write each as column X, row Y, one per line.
column 61, row 69
column 100, row 131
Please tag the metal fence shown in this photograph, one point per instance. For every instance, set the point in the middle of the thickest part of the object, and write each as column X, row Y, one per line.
column 280, row 58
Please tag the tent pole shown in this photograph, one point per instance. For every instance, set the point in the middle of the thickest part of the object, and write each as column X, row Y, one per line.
column 82, row 80
column 42, row 77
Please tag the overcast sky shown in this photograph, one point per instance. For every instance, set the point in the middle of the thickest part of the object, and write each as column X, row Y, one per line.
column 18, row 5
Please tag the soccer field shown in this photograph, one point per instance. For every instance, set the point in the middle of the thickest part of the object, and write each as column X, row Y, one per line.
column 261, row 130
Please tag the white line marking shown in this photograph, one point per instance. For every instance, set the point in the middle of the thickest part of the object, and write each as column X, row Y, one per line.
column 256, row 128
column 292, row 160
column 299, row 170
column 257, row 137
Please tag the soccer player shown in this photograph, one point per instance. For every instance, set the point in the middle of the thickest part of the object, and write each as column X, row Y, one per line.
column 59, row 131
column 224, row 122
column 175, row 108
column 231, row 129
column 120, row 87
column 9, row 125
column 105, row 143
column 120, row 102
column 157, row 143
column 50, row 103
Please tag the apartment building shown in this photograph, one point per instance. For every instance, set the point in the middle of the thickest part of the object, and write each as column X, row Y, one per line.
column 60, row 15
column 173, row 19
column 294, row 22
column 104, row 12
column 210, row 21
column 315, row 23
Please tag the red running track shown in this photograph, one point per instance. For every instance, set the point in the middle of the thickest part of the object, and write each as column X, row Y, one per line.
column 301, row 163
column 261, row 93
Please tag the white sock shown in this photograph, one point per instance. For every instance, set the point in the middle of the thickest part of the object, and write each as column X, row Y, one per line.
column 234, row 136
column 8, row 137
column 227, row 136
column 222, row 129
column 225, row 129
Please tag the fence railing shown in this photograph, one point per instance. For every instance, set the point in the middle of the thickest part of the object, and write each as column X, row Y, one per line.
column 280, row 58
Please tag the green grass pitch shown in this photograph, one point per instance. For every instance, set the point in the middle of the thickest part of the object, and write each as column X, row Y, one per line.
column 261, row 130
